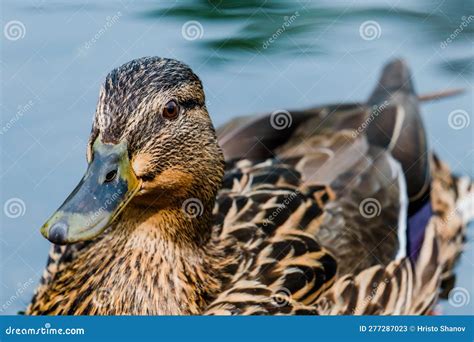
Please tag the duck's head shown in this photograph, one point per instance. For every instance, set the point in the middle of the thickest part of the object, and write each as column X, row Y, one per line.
column 152, row 145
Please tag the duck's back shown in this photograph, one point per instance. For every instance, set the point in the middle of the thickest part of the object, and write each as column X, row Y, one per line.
column 320, row 196
column 349, row 150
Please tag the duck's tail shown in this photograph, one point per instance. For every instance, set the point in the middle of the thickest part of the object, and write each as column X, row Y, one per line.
column 404, row 287
column 434, row 193
column 398, row 126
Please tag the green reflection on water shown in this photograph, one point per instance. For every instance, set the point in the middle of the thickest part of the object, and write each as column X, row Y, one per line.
column 310, row 27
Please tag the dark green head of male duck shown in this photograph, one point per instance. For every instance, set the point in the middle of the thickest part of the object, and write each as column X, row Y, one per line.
column 152, row 145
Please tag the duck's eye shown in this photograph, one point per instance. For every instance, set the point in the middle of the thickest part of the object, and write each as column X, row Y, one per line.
column 171, row 110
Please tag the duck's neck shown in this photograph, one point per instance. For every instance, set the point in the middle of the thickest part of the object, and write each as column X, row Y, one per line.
column 169, row 258
column 141, row 266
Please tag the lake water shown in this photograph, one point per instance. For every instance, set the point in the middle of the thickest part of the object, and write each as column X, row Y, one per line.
column 55, row 54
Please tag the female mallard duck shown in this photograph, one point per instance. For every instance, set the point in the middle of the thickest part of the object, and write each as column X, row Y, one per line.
column 337, row 210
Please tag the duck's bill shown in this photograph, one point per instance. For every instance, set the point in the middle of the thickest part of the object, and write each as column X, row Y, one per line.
column 106, row 188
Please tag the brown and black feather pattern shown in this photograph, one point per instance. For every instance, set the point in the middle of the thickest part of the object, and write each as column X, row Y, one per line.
column 288, row 236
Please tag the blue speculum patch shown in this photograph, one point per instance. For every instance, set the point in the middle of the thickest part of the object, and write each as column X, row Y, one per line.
column 416, row 229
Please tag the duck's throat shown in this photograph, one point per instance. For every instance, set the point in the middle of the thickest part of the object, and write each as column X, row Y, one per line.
column 136, row 268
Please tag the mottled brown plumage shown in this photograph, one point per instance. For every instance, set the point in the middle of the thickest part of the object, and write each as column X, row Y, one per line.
column 270, row 225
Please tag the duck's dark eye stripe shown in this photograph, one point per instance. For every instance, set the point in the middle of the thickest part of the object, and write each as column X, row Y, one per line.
column 190, row 103
column 148, row 177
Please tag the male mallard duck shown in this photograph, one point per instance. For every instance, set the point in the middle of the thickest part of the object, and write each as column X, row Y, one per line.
column 337, row 210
